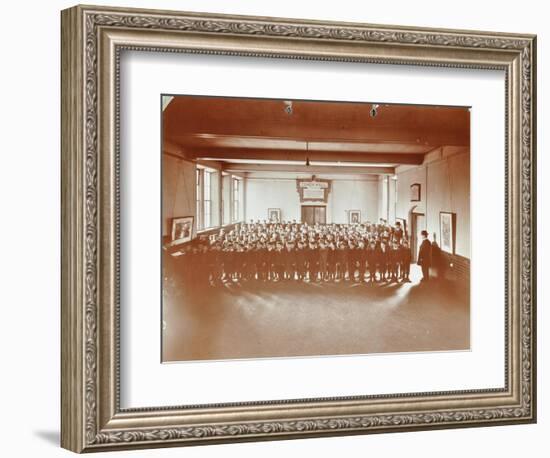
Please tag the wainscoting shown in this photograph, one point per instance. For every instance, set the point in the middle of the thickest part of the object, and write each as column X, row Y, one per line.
column 451, row 267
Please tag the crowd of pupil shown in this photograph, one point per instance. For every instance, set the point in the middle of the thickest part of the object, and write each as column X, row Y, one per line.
column 265, row 251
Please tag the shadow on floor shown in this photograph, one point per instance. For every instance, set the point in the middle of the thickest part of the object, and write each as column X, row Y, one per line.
column 291, row 318
column 51, row 437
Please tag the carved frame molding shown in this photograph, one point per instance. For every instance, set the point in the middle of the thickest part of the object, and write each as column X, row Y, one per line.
column 92, row 40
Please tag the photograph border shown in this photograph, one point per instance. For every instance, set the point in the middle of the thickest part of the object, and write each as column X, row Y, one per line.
column 92, row 40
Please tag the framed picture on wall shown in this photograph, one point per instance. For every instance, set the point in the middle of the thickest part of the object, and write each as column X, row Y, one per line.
column 274, row 215
column 354, row 216
column 447, row 231
column 182, row 230
column 415, row 192
column 125, row 314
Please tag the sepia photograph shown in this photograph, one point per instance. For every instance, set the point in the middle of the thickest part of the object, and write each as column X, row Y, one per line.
column 313, row 228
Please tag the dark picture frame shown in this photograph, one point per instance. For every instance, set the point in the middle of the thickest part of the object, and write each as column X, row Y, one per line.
column 447, row 232
column 354, row 216
column 182, row 230
column 271, row 212
column 416, row 192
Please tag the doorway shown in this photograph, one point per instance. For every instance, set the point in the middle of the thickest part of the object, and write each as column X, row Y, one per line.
column 418, row 223
column 312, row 214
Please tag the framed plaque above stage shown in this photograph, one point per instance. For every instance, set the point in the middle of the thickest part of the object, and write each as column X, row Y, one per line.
column 314, row 190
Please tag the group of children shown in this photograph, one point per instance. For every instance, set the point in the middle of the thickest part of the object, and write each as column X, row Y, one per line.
column 298, row 252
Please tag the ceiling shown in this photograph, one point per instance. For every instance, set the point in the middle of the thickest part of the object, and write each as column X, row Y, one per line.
column 255, row 136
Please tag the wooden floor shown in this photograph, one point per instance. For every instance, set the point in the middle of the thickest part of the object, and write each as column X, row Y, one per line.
column 262, row 320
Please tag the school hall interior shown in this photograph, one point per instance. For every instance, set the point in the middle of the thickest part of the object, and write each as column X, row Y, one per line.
column 259, row 179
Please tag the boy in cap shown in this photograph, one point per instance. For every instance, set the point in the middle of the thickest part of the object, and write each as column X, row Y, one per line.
column 382, row 258
column 313, row 260
column 261, row 261
column 352, row 260
column 279, row 261
column 323, row 259
column 361, row 257
column 405, row 257
column 290, row 260
column 250, row 262
column 393, row 261
column 341, row 261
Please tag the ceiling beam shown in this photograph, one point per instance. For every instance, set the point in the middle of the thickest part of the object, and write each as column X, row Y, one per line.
column 212, row 164
column 313, row 169
column 433, row 129
column 206, row 141
column 169, row 147
column 219, row 154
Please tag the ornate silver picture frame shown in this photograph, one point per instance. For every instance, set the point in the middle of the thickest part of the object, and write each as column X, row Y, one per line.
column 93, row 39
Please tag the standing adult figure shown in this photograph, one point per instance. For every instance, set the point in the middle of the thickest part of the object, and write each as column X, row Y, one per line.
column 425, row 256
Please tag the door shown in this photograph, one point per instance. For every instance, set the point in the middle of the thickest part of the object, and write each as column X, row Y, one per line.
column 312, row 214
column 418, row 224
column 320, row 215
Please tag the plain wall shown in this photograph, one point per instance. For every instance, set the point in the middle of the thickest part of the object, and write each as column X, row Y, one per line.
column 448, row 189
column 262, row 193
column 382, row 186
column 216, row 198
column 226, row 199
column 353, row 195
column 345, row 195
column 410, row 175
column 178, row 191
column 445, row 187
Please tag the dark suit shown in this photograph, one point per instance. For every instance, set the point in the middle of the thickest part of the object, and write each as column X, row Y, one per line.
column 425, row 258
column 372, row 260
column 301, row 262
column 405, row 260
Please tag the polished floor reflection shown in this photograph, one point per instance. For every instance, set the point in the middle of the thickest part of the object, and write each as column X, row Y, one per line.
column 259, row 320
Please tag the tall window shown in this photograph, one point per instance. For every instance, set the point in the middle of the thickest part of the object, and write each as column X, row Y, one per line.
column 198, row 208
column 207, row 199
column 236, row 194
